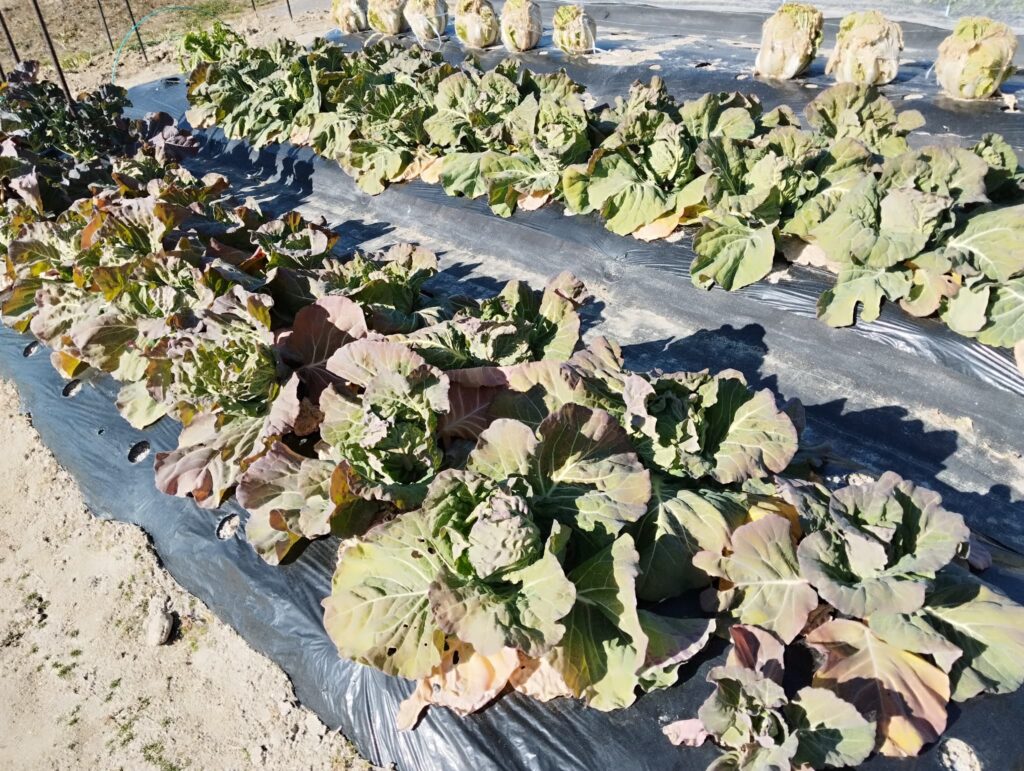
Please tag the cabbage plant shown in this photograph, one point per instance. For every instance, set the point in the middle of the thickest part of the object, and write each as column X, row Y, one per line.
column 575, row 30
column 487, row 559
column 386, row 16
column 867, row 49
column 476, row 24
column 426, row 18
column 521, row 25
column 976, row 58
column 350, row 15
column 789, row 41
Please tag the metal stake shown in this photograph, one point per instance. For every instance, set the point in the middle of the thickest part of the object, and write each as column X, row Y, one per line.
column 56, row 61
column 106, row 28
column 254, row 7
column 138, row 33
column 10, row 40
column 289, row 4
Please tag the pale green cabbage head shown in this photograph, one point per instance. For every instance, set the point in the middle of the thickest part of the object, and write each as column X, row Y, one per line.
column 521, row 25
column 426, row 18
column 789, row 41
column 575, row 31
column 976, row 59
column 350, row 15
column 476, row 23
column 867, row 49
column 385, row 16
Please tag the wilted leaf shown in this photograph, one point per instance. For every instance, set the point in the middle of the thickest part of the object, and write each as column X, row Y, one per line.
column 906, row 694
column 464, row 682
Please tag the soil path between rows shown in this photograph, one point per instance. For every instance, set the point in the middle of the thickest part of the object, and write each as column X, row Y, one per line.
column 80, row 687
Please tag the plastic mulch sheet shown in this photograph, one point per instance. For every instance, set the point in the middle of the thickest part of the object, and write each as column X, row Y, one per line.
column 899, row 393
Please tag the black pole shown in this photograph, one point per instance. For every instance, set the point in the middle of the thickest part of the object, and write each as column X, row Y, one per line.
column 10, row 40
column 56, row 61
column 3, row 75
column 289, row 4
column 138, row 33
column 106, row 28
column 254, row 7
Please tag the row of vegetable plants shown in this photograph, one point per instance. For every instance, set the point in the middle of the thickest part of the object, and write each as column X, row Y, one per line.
column 937, row 229
column 574, row 31
column 973, row 61
column 519, row 511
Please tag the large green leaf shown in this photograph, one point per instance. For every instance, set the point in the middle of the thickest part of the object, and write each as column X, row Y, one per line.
column 865, row 286
column 767, row 589
column 1005, row 325
column 732, row 254
column 585, row 472
column 993, row 240
column 378, row 612
column 830, row 731
column 604, row 646
column 983, row 624
column 747, row 433
column 671, row 642
column 680, row 523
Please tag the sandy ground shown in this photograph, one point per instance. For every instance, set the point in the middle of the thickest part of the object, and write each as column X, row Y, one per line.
column 88, row 60
column 80, row 686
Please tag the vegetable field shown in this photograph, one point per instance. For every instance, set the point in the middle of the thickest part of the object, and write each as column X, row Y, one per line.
column 520, row 517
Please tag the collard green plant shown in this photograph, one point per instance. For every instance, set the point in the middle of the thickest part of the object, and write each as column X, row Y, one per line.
column 487, row 545
column 750, row 716
column 883, row 544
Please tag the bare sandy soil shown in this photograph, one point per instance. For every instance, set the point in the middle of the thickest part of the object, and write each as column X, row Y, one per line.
column 80, row 686
column 86, row 55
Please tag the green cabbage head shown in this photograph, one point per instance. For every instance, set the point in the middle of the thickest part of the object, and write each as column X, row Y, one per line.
column 521, row 25
column 349, row 15
column 575, row 30
column 427, row 18
column 789, row 41
column 386, row 16
column 976, row 59
column 867, row 49
column 476, row 23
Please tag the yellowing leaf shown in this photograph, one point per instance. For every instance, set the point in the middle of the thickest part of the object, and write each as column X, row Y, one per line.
column 464, row 682
column 904, row 692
